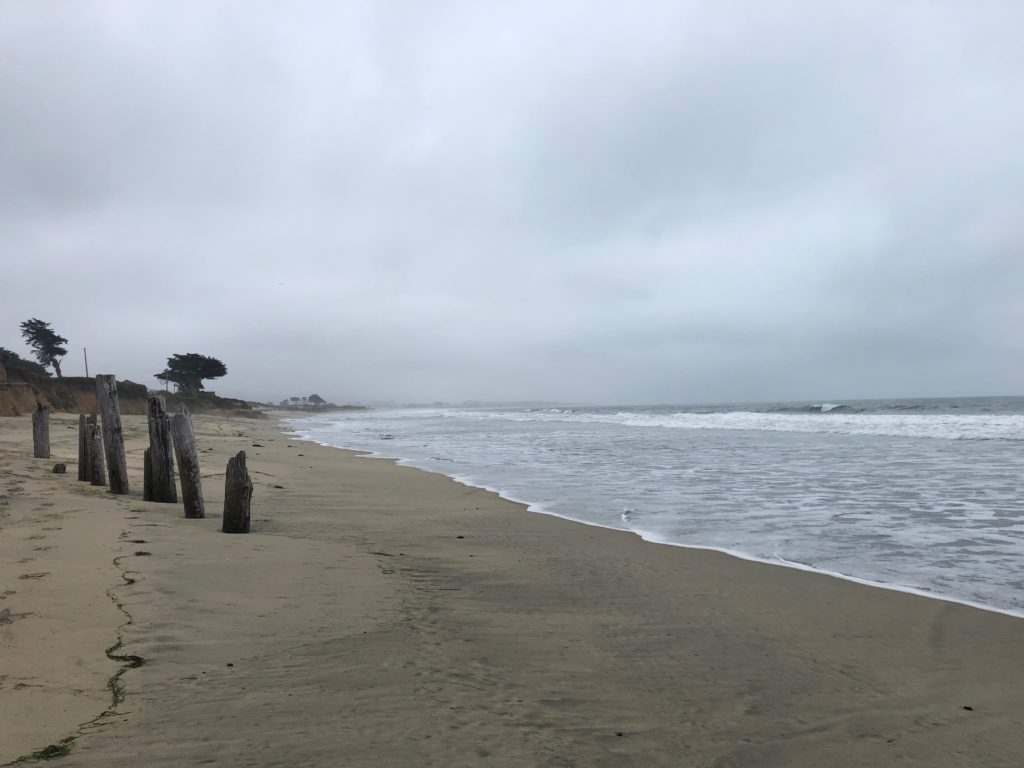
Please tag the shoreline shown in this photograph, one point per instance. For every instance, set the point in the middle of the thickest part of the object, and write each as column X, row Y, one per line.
column 652, row 538
column 380, row 614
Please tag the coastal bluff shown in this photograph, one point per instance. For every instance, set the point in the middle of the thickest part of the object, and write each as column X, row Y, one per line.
column 21, row 390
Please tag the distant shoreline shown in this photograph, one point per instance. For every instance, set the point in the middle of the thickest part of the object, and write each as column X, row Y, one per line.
column 310, row 410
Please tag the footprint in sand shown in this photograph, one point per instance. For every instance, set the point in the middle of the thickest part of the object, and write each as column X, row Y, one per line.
column 9, row 617
column 34, row 575
column 7, row 593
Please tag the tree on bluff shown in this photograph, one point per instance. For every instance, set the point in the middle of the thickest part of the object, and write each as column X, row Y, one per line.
column 187, row 372
column 46, row 344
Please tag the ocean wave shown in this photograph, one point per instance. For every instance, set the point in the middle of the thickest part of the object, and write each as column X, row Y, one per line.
column 942, row 426
column 814, row 408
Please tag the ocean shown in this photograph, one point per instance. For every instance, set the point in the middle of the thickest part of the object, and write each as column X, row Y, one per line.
column 920, row 495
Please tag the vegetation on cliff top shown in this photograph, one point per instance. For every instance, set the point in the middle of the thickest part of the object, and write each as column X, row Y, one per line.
column 188, row 371
column 12, row 361
column 47, row 345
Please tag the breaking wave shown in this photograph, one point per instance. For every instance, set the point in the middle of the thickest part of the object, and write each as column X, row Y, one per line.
column 821, row 418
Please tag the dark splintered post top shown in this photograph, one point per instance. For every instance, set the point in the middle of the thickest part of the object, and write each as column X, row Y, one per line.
column 161, row 458
column 237, row 496
column 188, row 464
column 41, row 432
column 113, row 434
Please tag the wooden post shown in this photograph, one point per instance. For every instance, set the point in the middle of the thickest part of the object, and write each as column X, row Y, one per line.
column 237, row 496
column 97, row 475
column 188, row 464
column 83, row 451
column 41, row 432
column 161, row 459
column 90, row 421
column 90, row 424
column 113, row 435
column 147, row 475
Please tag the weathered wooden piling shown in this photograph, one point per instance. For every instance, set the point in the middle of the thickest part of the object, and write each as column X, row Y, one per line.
column 83, row 468
column 113, row 435
column 147, row 475
column 188, row 464
column 94, row 437
column 41, row 432
column 237, row 496
column 87, row 457
column 85, row 447
column 160, row 455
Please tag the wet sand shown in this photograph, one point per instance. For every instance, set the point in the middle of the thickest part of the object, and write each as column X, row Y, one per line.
column 383, row 616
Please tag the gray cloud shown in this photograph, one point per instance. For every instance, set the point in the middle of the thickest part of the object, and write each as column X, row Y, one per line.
column 678, row 202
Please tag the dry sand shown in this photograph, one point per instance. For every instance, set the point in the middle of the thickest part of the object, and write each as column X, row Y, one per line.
column 383, row 616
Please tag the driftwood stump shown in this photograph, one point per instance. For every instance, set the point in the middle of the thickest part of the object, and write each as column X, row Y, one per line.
column 97, row 474
column 237, row 496
column 113, row 435
column 83, row 467
column 188, row 464
column 160, row 456
column 41, row 432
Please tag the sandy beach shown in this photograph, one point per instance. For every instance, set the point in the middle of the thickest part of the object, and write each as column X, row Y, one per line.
column 378, row 615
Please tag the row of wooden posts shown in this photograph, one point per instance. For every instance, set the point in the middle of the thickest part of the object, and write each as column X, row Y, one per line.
column 171, row 438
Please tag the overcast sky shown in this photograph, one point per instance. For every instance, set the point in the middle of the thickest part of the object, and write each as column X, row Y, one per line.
column 579, row 201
